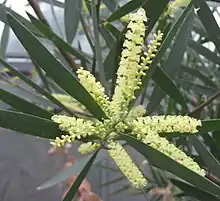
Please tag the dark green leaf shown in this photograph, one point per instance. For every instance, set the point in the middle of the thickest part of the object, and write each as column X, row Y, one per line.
column 199, row 75
column 87, row 33
column 74, row 188
column 111, row 4
column 71, row 18
column 42, row 76
column 115, row 32
column 5, row 10
column 208, row 21
column 154, row 9
column 70, row 171
column 168, row 86
column 207, row 157
column 127, row 8
column 4, row 40
column 197, row 88
column 200, row 49
column 29, row 124
column 189, row 190
column 59, row 42
column 164, row 162
column 172, row 63
column 35, row 86
column 166, row 44
column 29, row 95
column 210, row 125
column 23, row 105
column 106, row 34
column 98, row 50
column 54, row 68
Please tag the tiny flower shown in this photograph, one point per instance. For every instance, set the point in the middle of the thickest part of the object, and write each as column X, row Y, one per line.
column 88, row 147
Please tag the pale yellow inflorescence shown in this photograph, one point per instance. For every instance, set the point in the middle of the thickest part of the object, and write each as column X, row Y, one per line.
column 88, row 147
column 132, row 67
column 165, row 124
column 126, row 165
column 130, row 71
column 94, row 88
column 75, row 127
column 164, row 146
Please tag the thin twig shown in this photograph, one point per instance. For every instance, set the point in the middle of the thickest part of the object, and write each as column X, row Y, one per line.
column 200, row 107
column 69, row 58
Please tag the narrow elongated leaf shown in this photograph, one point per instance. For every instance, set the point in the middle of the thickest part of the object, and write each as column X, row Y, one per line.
column 198, row 88
column 29, row 95
column 199, row 75
column 168, row 86
column 106, row 34
column 127, row 8
column 87, row 33
column 164, row 162
column 74, row 170
column 111, row 4
column 200, row 49
column 29, row 124
column 210, row 125
column 166, row 43
column 207, row 157
column 115, row 32
column 74, row 188
column 172, row 64
column 23, row 105
column 189, row 190
column 98, row 51
column 71, row 18
column 36, row 87
column 154, row 9
column 4, row 40
column 5, row 10
column 54, row 68
column 208, row 21
column 58, row 41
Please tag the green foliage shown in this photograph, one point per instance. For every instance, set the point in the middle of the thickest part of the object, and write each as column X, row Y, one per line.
column 183, row 79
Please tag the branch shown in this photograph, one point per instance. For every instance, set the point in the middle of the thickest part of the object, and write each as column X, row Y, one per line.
column 200, row 107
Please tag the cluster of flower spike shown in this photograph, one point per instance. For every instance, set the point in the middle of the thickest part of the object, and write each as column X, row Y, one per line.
column 134, row 63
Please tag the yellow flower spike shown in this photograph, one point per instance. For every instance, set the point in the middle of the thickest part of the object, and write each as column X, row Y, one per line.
column 152, row 49
column 126, row 165
column 76, row 128
column 166, row 124
column 94, row 88
column 88, row 147
column 164, row 146
column 129, row 72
